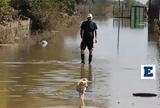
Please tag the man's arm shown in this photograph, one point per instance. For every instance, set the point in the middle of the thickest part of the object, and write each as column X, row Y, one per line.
column 95, row 36
column 81, row 33
column 95, row 32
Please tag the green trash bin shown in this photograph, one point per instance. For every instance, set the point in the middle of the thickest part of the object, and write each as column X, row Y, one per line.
column 137, row 16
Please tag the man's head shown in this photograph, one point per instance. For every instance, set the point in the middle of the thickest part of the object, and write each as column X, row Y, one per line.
column 89, row 16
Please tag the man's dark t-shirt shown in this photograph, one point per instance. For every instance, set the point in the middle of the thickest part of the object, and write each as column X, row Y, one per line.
column 89, row 27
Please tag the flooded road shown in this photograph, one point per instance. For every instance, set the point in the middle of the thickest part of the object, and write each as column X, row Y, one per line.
column 45, row 77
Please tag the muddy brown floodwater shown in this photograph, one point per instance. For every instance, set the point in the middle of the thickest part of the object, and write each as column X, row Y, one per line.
column 33, row 76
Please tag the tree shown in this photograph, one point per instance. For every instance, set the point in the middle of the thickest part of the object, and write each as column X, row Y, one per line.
column 6, row 11
column 40, row 10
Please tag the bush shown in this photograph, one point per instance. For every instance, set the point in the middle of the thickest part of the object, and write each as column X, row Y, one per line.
column 40, row 11
column 7, row 13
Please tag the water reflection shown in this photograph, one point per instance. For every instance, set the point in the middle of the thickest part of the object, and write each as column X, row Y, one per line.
column 126, row 22
column 90, row 76
column 158, row 78
column 86, row 74
column 82, row 71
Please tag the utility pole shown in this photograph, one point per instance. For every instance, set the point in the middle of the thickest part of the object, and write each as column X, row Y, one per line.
column 149, row 11
column 150, row 20
column 119, row 5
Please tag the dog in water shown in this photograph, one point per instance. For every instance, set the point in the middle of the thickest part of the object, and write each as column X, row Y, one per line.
column 81, row 86
column 43, row 42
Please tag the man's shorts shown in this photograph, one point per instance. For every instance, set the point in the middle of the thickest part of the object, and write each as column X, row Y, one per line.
column 84, row 44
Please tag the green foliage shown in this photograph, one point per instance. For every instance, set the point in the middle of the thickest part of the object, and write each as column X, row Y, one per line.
column 44, row 5
column 40, row 11
column 7, row 13
column 4, row 6
column 4, row 2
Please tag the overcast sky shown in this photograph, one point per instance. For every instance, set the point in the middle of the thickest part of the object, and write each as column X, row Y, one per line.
column 142, row 1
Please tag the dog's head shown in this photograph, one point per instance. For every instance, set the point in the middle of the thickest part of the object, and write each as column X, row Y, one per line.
column 83, row 82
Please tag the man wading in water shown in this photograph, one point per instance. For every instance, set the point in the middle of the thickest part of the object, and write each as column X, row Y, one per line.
column 88, row 34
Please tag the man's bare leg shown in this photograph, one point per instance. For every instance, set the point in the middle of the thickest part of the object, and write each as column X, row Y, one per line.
column 82, row 56
column 90, row 55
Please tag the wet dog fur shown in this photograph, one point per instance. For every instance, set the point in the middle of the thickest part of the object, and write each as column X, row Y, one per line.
column 81, row 86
